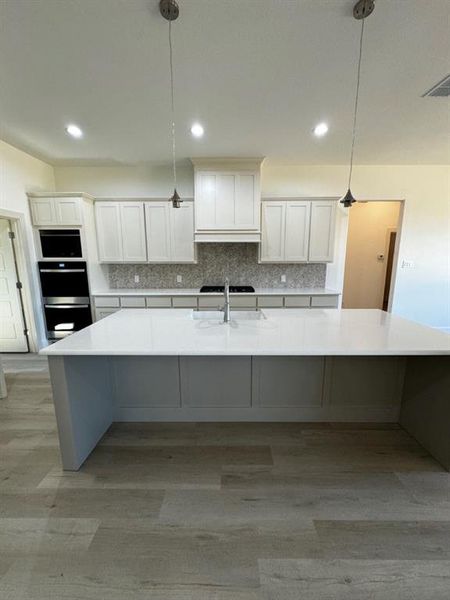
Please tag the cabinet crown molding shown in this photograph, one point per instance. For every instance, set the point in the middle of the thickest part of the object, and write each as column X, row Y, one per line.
column 60, row 195
column 228, row 163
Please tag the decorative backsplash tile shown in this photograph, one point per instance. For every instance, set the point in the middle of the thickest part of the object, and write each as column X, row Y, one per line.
column 238, row 262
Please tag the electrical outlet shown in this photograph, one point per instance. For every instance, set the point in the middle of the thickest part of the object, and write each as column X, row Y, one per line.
column 283, row 279
column 136, row 279
column 179, row 279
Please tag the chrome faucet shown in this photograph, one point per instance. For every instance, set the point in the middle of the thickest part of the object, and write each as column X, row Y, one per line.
column 226, row 306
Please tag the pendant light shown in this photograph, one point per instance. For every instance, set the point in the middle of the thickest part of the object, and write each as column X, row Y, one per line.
column 169, row 10
column 361, row 10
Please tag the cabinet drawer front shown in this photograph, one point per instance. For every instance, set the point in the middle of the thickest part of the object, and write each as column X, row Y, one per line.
column 243, row 301
column 107, row 302
column 297, row 301
column 101, row 313
column 210, row 301
column 132, row 302
column 270, row 301
column 324, row 301
column 159, row 302
column 184, row 301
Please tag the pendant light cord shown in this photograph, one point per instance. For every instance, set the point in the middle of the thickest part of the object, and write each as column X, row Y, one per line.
column 172, row 108
column 355, row 114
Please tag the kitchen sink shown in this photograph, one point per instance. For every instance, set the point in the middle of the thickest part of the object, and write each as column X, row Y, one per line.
column 236, row 315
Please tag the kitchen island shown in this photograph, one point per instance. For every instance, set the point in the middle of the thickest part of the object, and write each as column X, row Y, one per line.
column 271, row 365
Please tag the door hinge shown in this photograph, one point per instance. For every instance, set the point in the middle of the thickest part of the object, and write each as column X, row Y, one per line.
column 19, row 285
column 11, row 235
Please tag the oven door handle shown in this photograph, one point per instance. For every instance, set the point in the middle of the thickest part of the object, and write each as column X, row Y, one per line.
column 66, row 305
column 62, row 270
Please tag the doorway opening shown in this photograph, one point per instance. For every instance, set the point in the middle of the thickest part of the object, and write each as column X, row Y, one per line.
column 372, row 251
column 13, row 322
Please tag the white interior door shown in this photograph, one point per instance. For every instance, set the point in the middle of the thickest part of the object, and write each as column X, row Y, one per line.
column 12, row 336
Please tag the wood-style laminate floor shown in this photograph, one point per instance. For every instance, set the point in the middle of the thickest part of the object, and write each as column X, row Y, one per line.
column 237, row 511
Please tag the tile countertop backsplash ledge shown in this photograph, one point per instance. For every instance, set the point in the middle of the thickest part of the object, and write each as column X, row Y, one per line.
column 238, row 262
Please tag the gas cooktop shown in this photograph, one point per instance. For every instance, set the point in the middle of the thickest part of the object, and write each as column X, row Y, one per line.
column 234, row 289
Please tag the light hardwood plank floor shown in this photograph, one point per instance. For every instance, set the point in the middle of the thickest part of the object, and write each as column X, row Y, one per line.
column 230, row 511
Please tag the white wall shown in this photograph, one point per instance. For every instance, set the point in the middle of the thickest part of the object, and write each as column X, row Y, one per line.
column 21, row 173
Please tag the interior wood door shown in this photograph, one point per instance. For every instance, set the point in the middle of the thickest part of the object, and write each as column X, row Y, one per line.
column 12, row 327
column 157, row 221
column 132, row 222
column 297, row 231
column 273, row 230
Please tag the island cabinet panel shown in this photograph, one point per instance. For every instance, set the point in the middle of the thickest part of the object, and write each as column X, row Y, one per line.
column 146, row 381
column 365, row 381
column 216, row 382
column 281, row 382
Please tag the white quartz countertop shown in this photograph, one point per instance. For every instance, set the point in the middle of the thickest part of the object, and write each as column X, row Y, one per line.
column 293, row 332
column 196, row 292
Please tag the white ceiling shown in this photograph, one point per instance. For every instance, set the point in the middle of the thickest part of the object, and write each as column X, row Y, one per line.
column 257, row 73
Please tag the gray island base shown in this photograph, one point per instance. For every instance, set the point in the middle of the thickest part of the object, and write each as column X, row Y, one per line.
column 298, row 365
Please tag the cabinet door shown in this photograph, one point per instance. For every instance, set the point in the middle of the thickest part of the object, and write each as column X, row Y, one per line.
column 43, row 211
column 297, row 231
column 205, row 200
column 321, row 236
column 109, row 234
column 246, row 213
column 68, row 211
column 182, row 233
column 273, row 231
column 157, row 222
column 133, row 232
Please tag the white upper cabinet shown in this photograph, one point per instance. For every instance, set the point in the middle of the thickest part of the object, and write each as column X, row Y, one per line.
column 170, row 232
column 158, row 231
column 273, row 227
column 297, row 231
column 109, row 232
column 51, row 211
column 321, row 237
column 182, row 233
column 227, row 199
column 133, row 232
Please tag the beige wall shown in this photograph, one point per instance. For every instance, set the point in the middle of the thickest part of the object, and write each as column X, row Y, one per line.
column 421, row 293
column 368, row 237
column 21, row 173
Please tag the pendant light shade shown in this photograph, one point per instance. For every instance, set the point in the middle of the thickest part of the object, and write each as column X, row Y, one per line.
column 169, row 10
column 361, row 10
column 348, row 199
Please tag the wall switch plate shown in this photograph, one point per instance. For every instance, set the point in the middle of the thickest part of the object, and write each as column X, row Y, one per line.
column 407, row 264
column 136, row 279
column 283, row 279
column 179, row 279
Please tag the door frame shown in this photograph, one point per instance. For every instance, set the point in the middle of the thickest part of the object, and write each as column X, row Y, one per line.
column 24, row 266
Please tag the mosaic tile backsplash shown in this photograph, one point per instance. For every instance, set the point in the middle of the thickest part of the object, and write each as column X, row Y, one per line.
column 238, row 262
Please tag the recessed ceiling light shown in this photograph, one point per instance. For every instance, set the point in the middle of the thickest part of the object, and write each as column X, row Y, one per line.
column 197, row 130
column 74, row 131
column 320, row 130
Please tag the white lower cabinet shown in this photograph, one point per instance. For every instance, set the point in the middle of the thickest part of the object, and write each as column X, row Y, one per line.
column 101, row 313
column 297, row 231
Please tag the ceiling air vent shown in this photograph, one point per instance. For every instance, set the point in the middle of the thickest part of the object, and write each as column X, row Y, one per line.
column 441, row 89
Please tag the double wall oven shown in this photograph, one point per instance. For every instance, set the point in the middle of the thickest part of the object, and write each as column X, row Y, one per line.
column 65, row 296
